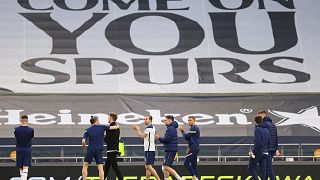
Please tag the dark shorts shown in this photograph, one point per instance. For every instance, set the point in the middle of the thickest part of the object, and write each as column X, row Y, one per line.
column 94, row 153
column 149, row 157
column 23, row 158
column 192, row 153
column 169, row 158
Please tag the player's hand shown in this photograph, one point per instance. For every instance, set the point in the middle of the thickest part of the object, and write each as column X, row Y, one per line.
column 84, row 146
column 278, row 153
column 157, row 137
column 114, row 127
column 251, row 154
column 180, row 128
column 136, row 127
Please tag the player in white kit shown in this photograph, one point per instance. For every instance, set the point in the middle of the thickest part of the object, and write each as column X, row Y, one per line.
column 149, row 146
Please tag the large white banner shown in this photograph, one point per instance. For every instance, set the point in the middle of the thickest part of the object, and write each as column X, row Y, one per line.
column 159, row 46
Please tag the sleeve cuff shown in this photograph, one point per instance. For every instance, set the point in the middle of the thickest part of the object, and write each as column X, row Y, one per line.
column 161, row 139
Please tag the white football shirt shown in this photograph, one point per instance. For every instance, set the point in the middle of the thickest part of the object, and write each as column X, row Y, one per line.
column 149, row 141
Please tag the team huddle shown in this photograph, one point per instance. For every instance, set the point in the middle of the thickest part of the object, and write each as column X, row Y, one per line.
column 265, row 146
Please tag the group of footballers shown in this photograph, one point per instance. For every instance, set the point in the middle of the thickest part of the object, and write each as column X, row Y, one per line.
column 265, row 146
column 170, row 142
column 98, row 133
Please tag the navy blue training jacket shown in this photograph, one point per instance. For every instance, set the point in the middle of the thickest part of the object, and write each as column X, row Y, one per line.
column 170, row 139
column 193, row 137
column 273, row 135
column 261, row 140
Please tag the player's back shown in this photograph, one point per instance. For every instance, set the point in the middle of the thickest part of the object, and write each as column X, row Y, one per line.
column 24, row 136
column 95, row 134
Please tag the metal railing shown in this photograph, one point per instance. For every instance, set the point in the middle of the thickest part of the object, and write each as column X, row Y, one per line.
column 135, row 153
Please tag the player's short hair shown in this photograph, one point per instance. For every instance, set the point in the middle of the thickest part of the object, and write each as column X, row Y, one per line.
column 93, row 119
column 113, row 115
column 169, row 117
column 24, row 117
column 258, row 119
column 192, row 117
column 149, row 117
column 262, row 112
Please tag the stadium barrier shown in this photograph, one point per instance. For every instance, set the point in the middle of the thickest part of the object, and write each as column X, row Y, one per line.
column 135, row 153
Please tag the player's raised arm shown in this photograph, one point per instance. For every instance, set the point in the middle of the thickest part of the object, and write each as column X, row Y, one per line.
column 114, row 127
column 142, row 135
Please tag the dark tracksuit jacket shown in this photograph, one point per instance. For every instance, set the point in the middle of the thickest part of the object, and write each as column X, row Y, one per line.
column 260, row 150
column 170, row 139
column 261, row 140
column 112, row 140
column 273, row 135
column 193, row 137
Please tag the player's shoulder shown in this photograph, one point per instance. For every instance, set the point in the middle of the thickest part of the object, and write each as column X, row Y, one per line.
column 22, row 128
column 150, row 126
column 89, row 128
column 103, row 125
column 257, row 129
column 86, row 131
column 195, row 127
column 171, row 129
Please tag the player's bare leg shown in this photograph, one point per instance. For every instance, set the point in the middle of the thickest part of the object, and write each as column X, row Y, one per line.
column 168, row 170
column 165, row 174
column 24, row 172
column 20, row 169
column 148, row 174
column 101, row 171
column 152, row 171
column 85, row 170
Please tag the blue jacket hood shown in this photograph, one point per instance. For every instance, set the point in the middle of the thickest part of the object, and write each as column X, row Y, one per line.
column 261, row 125
column 267, row 119
column 174, row 124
